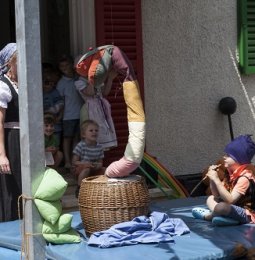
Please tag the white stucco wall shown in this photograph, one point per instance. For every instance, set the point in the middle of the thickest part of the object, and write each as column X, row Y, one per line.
column 188, row 68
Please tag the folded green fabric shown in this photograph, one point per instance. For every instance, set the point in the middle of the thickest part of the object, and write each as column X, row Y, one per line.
column 52, row 186
column 62, row 225
column 49, row 210
column 68, row 237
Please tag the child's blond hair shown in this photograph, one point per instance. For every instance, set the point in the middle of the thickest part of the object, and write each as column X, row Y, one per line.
column 86, row 123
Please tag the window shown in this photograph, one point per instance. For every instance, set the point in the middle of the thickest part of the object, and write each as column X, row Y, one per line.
column 246, row 40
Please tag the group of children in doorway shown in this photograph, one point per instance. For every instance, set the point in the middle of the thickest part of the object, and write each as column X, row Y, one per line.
column 78, row 126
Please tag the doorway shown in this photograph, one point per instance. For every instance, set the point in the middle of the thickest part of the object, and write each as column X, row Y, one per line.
column 55, row 32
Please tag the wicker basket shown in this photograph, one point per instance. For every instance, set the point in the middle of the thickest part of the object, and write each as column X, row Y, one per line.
column 104, row 201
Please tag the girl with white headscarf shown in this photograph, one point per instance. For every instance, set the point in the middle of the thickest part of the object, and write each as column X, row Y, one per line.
column 10, row 167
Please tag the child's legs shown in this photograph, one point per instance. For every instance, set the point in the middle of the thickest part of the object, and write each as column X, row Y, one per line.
column 76, row 139
column 211, row 204
column 233, row 211
column 83, row 174
column 70, row 132
column 89, row 172
column 97, row 172
column 58, row 157
column 222, row 209
column 67, row 149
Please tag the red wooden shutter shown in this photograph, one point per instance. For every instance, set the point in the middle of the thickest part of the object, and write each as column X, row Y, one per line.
column 118, row 22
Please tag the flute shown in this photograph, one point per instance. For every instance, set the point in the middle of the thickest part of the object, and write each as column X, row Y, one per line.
column 215, row 169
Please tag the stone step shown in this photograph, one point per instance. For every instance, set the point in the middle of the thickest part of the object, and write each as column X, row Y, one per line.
column 72, row 184
column 70, row 190
column 69, row 178
column 69, row 203
column 156, row 193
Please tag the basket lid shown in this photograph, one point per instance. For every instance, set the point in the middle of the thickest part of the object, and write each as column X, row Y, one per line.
column 105, row 179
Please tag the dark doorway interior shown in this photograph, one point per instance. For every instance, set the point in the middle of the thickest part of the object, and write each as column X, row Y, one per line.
column 55, row 34
column 7, row 21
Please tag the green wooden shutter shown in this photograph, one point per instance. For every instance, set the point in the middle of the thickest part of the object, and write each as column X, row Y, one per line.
column 118, row 22
column 246, row 42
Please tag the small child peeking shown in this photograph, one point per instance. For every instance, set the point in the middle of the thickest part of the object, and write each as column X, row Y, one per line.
column 51, row 142
column 88, row 154
column 232, row 201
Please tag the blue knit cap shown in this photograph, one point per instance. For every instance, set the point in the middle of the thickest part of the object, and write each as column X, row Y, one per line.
column 5, row 55
column 241, row 149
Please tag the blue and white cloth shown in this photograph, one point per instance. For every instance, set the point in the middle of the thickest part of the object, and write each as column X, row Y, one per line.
column 156, row 228
column 5, row 55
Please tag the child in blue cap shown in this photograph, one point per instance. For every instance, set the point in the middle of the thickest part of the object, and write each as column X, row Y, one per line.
column 232, row 201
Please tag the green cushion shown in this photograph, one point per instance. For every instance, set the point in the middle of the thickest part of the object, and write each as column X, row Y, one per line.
column 62, row 225
column 49, row 210
column 68, row 237
column 52, row 186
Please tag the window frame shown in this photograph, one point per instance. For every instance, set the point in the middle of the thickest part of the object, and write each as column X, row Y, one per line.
column 246, row 36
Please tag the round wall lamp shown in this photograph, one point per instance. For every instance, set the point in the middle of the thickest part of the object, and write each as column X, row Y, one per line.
column 227, row 106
